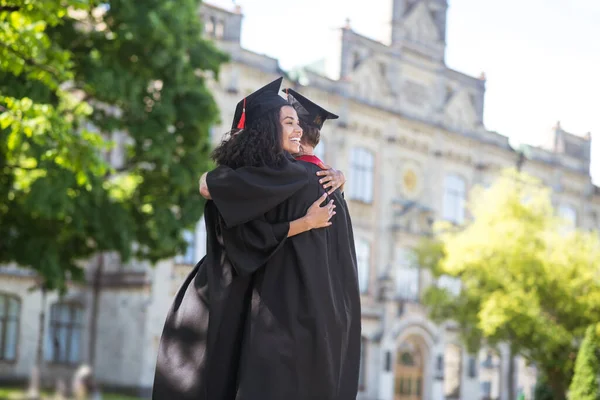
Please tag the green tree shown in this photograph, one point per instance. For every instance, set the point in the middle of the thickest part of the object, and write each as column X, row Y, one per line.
column 542, row 390
column 78, row 80
column 75, row 75
column 585, row 384
column 42, row 162
column 527, row 278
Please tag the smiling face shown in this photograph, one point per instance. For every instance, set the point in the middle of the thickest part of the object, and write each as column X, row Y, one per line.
column 290, row 130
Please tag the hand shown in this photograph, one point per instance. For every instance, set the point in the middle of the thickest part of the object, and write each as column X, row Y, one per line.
column 332, row 178
column 317, row 216
column 204, row 187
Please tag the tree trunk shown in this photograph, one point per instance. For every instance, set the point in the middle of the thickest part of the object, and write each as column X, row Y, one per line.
column 96, row 291
column 558, row 382
column 97, row 285
column 40, row 345
column 36, row 373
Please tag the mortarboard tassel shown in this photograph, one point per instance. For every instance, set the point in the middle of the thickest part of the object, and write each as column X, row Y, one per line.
column 242, row 123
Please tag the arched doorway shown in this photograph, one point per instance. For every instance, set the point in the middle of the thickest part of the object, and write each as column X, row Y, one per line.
column 410, row 368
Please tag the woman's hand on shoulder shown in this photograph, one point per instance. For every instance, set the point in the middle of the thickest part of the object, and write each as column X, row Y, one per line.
column 332, row 178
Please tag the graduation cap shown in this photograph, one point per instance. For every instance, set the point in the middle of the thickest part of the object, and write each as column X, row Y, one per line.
column 257, row 104
column 308, row 112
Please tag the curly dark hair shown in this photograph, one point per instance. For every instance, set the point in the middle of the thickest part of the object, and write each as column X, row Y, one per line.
column 310, row 135
column 257, row 145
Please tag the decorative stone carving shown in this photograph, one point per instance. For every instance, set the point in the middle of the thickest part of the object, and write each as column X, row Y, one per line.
column 420, row 27
column 460, row 112
column 410, row 181
column 415, row 93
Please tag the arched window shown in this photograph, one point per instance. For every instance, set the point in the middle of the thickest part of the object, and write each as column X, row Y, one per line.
column 10, row 314
column 407, row 359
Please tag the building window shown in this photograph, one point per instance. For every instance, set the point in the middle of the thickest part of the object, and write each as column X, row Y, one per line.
column 454, row 199
column 189, row 256
column 356, row 60
column 472, row 367
column 219, row 29
column 209, row 27
column 320, row 150
column 569, row 214
column 407, row 276
column 200, row 239
column 488, row 361
column 486, row 389
column 65, row 334
column 450, row 283
column 361, row 175
column 439, row 365
column 407, row 359
column 363, row 259
column 383, row 70
column 362, row 366
column 593, row 221
column 10, row 312
column 196, row 245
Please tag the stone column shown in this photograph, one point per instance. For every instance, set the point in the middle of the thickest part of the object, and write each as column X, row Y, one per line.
column 386, row 378
column 504, row 372
column 388, row 343
column 437, row 389
column 437, row 372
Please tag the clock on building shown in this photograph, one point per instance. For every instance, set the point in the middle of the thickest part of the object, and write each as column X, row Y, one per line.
column 410, row 181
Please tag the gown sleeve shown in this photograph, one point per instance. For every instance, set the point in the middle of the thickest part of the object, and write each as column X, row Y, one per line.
column 247, row 193
column 250, row 245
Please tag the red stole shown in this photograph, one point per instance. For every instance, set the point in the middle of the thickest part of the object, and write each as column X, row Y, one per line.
column 311, row 159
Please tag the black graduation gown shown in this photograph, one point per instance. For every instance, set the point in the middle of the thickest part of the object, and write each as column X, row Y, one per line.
column 262, row 317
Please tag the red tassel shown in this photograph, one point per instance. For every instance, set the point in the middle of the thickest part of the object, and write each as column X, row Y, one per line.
column 242, row 123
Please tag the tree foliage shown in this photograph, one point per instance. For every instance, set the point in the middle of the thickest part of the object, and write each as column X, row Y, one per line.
column 104, row 120
column 586, row 380
column 528, row 279
column 542, row 390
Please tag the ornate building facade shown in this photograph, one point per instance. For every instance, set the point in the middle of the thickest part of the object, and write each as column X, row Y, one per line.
column 411, row 141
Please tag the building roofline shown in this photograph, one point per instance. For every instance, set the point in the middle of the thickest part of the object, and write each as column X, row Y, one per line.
column 220, row 8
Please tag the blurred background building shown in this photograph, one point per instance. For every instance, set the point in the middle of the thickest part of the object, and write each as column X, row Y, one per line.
column 411, row 142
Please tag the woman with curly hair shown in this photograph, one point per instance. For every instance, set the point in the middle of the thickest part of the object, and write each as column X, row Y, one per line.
column 263, row 315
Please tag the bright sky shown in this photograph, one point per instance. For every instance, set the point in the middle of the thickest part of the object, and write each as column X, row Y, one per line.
column 541, row 57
